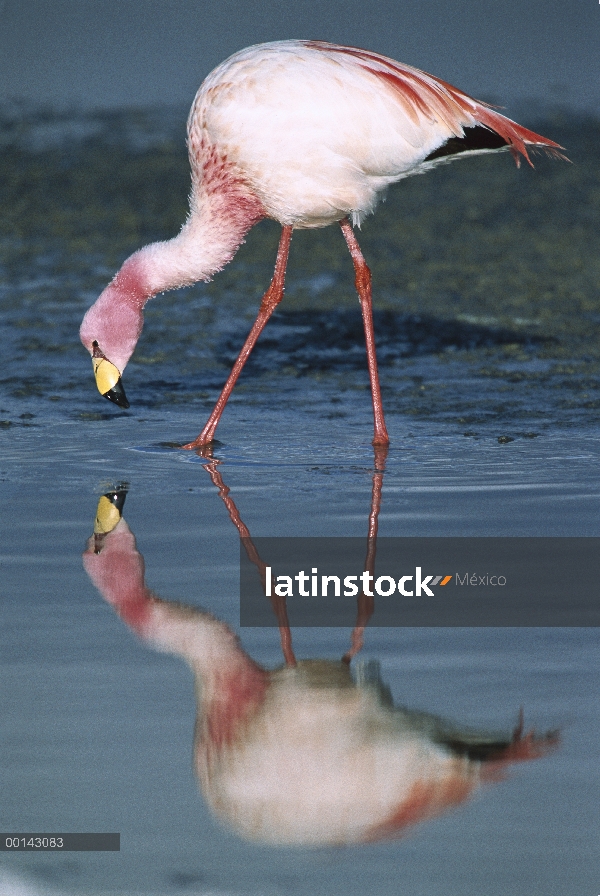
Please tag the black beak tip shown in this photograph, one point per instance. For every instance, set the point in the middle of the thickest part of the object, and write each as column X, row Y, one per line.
column 117, row 497
column 117, row 395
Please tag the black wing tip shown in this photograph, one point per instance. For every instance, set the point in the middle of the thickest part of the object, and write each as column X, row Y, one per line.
column 474, row 139
column 481, row 137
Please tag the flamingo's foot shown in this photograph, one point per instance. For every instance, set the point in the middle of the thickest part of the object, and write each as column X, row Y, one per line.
column 200, row 444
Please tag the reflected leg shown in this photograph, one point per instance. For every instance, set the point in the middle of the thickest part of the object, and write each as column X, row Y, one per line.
column 366, row 604
column 279, row 603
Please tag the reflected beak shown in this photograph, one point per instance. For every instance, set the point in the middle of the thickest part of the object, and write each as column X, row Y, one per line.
column 108, row 515
column 108, row 379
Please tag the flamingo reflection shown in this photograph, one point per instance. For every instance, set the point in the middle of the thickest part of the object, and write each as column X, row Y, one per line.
column 307, row 754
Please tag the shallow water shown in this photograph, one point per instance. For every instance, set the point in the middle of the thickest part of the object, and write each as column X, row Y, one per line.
column 495, row 341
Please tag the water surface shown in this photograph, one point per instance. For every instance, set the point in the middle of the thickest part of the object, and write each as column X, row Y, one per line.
column 486, row 288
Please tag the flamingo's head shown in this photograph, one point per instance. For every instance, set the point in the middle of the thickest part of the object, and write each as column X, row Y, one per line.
column 110, row 331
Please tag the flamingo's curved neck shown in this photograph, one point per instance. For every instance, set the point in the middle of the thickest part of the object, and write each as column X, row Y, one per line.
column 217, row 224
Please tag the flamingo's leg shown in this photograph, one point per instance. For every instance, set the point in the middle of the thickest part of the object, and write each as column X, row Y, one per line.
column 366, row 604
column 279, row 604
column 270, row 301
column 363, row 287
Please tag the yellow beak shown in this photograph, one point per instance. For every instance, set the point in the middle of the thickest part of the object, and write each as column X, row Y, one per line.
column 108, row 380
column 108, row 514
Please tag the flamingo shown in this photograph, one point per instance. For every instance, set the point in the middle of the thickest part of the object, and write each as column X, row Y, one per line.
column 306, row 754
column 309, row 134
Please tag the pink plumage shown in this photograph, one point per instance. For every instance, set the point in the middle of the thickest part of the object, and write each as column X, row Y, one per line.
column 303, row 755
column 309, row 134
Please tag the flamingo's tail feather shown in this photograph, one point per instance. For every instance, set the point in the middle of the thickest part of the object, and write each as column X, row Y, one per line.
column 516, row 137
column 497, row 132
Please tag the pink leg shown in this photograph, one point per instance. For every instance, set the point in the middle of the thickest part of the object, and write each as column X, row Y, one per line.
column 363, row 288
column 271, row 300
column 279, row 604
column 366, row 604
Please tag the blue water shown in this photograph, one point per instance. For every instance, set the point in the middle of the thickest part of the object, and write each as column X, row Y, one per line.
column 97, row 727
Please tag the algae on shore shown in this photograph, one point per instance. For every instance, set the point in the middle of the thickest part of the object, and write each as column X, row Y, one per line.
column 486, row 279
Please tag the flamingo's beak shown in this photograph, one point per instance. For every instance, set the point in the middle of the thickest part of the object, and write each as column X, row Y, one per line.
column 108, row 379
column 109, row 511
column 108, row 515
